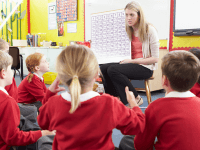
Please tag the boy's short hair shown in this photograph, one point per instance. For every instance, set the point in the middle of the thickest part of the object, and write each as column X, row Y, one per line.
column 5, row 60
column 182, row 69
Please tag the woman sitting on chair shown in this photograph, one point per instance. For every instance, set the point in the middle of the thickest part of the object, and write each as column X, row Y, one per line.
column 145, row 54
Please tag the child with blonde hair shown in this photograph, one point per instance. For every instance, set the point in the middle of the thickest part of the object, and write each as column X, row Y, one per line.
column 10, row 135
column 82, row 118
column 32, row 90
column 11, row 89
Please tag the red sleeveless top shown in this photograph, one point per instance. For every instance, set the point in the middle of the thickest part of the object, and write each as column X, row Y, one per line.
column 136, row 48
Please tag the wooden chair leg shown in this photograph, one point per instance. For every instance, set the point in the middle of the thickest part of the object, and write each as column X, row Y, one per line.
column 148, row 93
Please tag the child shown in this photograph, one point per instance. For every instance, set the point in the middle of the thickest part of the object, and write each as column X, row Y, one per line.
column 32, row 89
column 82, row 118
column 11, row 89
column 10, row 135
column 196, row 88
column 174, row 119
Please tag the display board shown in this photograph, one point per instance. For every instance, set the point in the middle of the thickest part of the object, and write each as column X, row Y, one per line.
column 110, row 42
column 66, row 10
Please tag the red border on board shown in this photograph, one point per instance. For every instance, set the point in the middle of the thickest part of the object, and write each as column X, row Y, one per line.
column 84, row 19
column 163, row 48
column 28, row 16
column 171, row 25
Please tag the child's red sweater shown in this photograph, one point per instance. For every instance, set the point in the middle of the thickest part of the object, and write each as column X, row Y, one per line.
column 10, row 135
column 31, row 92
column 196, row 89
column 91, row 125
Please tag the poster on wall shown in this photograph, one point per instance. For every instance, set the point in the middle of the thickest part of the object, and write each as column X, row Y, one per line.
column 110, row 42
column 52, row 23
column 66, row 10
column 60, row 28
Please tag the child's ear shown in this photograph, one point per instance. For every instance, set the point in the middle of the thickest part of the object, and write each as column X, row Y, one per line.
column 2, row 74
column 37, row 68
column 165, row 81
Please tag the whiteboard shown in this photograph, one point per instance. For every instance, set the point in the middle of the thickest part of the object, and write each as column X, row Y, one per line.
column 157, row 12
column 186, row 14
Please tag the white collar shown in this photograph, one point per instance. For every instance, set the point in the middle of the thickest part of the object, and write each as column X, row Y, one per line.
column 41, row 78
column 180, row 94
column 2, row 89
column 83, row 97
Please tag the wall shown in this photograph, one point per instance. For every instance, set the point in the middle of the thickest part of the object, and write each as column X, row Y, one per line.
column 39, row 22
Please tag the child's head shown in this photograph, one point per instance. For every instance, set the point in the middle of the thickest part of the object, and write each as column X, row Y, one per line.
column 181, row 68
column 36, row 63
column 4, row 46
column 77, row 67
column 5, row 67
column 196, row 52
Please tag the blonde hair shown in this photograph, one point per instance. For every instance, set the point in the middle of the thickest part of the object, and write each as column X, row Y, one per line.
column 32, row 61
column 76, row 66
column 182, row 69
column 143, row 25
column 2, row 44
column 5, row 60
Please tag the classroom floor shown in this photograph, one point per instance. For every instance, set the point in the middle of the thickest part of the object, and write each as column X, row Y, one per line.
column 117, row 135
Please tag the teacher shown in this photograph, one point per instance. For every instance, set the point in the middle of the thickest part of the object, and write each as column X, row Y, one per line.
column 144, row 54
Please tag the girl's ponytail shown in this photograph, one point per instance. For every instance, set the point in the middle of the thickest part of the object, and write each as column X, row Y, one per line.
column 75, row 91
column 30, row 76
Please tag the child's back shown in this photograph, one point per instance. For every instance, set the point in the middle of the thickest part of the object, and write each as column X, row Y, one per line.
column 31, row 92
column 83, row 119
column 175, row 121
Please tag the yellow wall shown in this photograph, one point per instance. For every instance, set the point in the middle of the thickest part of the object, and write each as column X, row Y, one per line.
column 39, row 22
column 185, row 41
column 24, row 29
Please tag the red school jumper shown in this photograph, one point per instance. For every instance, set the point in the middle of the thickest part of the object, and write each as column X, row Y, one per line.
column 31, row 92
column 175, row 122
column 91, row 125
column 10, row 135
column 196, row 89
column 12, row 90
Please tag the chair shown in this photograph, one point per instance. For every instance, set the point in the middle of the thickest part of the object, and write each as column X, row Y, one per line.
column 17, row 61
column 147, row 89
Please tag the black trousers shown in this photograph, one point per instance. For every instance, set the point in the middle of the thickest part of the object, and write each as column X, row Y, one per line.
column 116, row 77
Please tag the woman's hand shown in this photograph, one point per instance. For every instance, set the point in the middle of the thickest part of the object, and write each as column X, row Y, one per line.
column 126, row 61
column 130, row 98
column 54, row 87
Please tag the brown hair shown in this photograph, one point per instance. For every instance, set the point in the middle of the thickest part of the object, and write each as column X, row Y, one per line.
column 143, row 25
column 2, row 44
column 182, row 69
column 76, row 66
column 32, row 61
column 5, row 60
column 196, row 52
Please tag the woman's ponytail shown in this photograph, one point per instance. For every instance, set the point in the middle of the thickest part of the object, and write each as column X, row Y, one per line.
column 75, row 91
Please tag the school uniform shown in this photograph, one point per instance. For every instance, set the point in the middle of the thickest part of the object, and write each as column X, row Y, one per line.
column 91, row 125
column 32, row 92
column 10, row 135
column 196, row 89
column 175, row 121
column 12, row 90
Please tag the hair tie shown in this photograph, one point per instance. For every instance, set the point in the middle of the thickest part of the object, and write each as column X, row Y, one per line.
column 75, row 77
